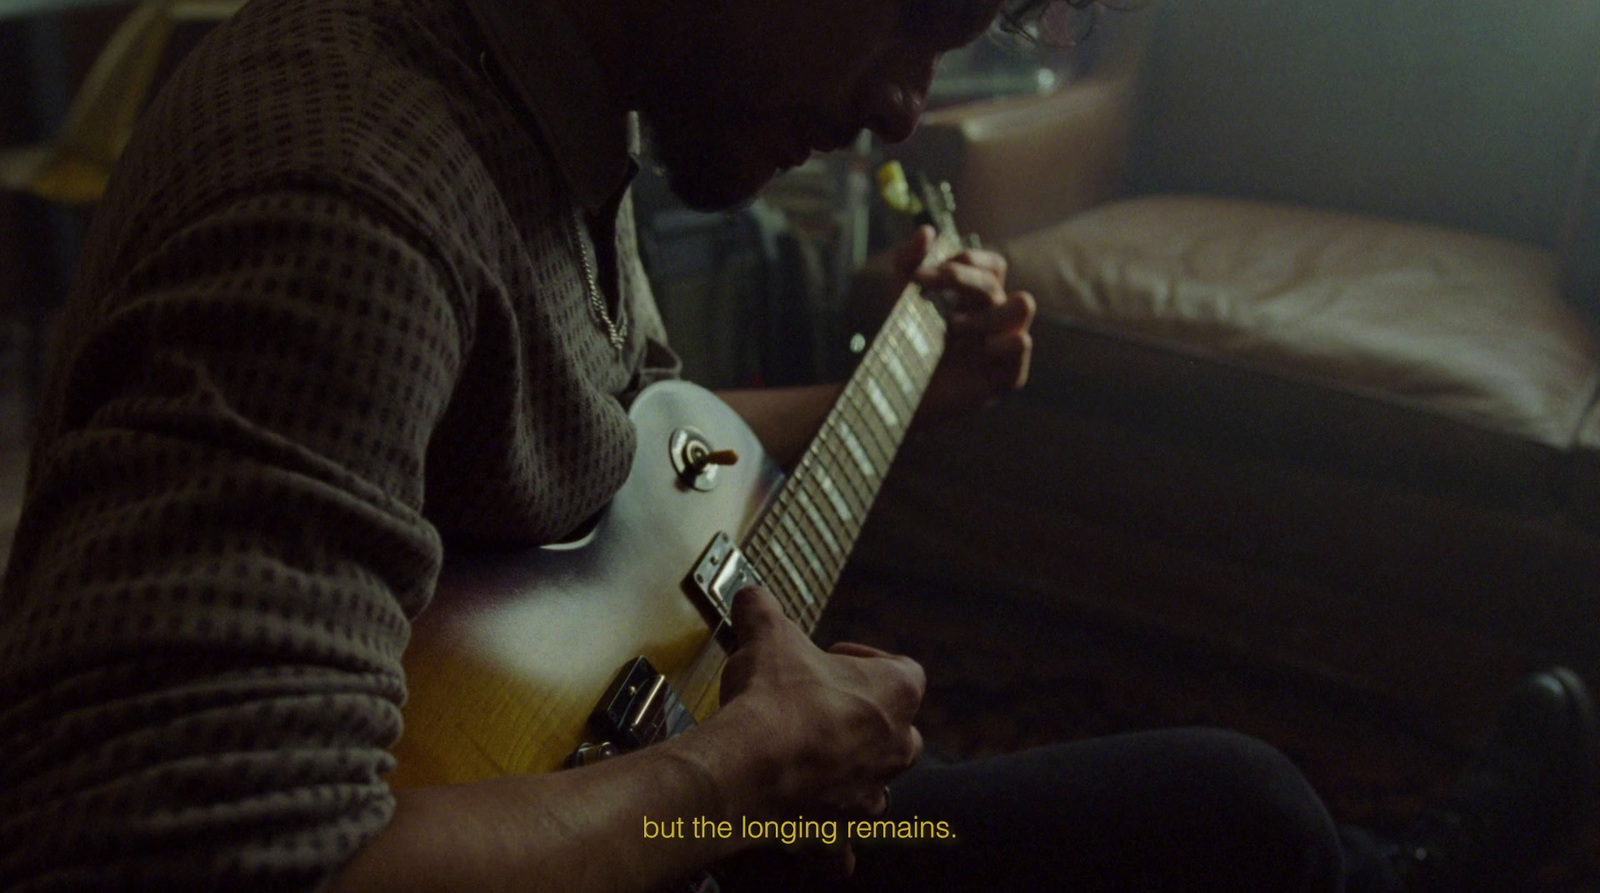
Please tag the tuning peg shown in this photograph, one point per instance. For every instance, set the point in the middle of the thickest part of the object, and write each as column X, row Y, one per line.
column 895, row 189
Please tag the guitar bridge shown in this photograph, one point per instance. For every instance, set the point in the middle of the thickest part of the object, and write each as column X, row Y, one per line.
column 640, row 708
column 720, row 573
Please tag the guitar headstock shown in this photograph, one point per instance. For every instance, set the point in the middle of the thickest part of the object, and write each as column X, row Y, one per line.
column 930, row 205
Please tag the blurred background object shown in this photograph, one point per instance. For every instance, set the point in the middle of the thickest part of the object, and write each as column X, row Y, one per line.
column 78, row 74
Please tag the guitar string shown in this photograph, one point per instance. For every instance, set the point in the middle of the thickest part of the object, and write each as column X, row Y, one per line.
column 705, row 672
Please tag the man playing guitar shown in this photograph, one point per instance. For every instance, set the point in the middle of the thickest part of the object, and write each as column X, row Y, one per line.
column 364, row 291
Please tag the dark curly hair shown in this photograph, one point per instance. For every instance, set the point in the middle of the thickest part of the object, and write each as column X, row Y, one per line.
column 1053, row 23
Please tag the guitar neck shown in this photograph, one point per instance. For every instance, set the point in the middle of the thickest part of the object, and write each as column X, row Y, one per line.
column 803, row 540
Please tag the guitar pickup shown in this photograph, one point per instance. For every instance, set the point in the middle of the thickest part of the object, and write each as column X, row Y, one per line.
column 720, row 573
column 640, row 708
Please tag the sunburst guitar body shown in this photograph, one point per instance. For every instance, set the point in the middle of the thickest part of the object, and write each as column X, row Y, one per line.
column 555, row 656
column 508, row 664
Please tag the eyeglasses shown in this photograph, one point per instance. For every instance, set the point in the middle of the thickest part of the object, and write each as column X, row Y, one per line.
column 1055, row 24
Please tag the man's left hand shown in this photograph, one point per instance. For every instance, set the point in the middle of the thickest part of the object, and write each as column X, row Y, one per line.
column 988, row 347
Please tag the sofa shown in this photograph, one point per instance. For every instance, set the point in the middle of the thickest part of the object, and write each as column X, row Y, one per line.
column 1317, row 377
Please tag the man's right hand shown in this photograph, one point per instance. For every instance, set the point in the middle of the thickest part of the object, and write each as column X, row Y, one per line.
column 837, row 724
column 802, row 732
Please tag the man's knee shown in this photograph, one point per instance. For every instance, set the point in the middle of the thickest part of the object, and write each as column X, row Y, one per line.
column 1257, row 795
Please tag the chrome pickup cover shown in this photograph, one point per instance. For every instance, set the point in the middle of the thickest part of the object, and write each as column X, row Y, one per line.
column 721, row 571
column 640, row 708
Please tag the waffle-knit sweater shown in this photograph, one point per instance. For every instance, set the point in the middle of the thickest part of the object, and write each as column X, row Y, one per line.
column 331, row 316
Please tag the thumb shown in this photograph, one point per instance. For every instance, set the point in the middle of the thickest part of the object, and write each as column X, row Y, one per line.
column 755, row 614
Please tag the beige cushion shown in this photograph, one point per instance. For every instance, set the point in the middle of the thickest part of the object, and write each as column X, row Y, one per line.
column 1455, row 323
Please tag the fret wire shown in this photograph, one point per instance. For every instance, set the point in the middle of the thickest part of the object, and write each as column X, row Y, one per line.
column 909, row 314
column 814, row 470
column 892, row 392
column 811, row 611
column 918, row 367
column 827, row 439
column 906, row 330
column 858, row 452
column 826, row 434
column 863, row 489
column 798, row 543
column 863, row 422
column 893, row 422
column 845, row 529
column 812, row 489
column 780, row 514
column 787, row 505
column 907, row 390
column 756, row 544
column 808, row 510
column 824, row 575
column 876, row 384
column 827, row 561
column 800, row 502
column 769, row 578
column 806, row 519
column 835, row 450
column 871, row 366
column 892, row 331
column 874, row 448
column 886, row 438
column 788, row 586
column 888, row 434
column 924, row 307
column 907, row 311
column 866, row 378
column 881, row 453
column 795, row 600
column 860, row 467
column 920, row 370
column 851, row 493
column 848, row 479
column 829, row 490
column 918, row 326
column 933, row 326
column 905, row 307
column 781, row 555
column 763, row 566
column 767, row 566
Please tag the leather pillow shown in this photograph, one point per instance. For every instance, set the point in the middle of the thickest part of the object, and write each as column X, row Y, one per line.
column 1465, row 325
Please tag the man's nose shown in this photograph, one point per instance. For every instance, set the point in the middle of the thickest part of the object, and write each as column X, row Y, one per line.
column 892, row 99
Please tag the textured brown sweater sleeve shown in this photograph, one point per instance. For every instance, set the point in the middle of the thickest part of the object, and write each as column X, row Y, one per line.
column 201, row 631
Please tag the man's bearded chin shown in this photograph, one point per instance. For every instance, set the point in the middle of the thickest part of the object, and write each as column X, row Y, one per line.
column 705, row 171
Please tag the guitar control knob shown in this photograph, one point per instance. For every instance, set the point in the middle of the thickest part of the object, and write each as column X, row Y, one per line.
column 700, row 461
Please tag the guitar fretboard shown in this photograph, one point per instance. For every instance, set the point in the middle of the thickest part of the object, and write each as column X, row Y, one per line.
column 801, row 543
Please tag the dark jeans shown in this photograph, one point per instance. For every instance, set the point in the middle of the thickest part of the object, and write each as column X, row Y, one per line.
column 1187, row 811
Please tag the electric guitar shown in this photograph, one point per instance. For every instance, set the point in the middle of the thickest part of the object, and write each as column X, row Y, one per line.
column 565, row 654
